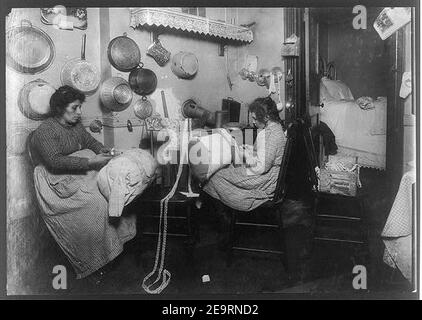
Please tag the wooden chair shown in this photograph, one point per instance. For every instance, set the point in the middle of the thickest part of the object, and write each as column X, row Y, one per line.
column 182, row 212
column 338, row 219
column 265, row 217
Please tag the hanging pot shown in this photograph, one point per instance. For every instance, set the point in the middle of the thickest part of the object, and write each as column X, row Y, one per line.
column 81, row 74
column 34, row 99
column 142, row 81
column 184, row 65
column 123, row 53
column 115, row 94
column 96, row 126
column 143, row 108
column 29, row 49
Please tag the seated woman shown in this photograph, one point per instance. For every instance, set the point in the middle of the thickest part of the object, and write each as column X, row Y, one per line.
column 74, row 210
column 248, row 186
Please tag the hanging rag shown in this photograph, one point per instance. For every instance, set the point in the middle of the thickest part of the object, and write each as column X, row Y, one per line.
column 328, row 138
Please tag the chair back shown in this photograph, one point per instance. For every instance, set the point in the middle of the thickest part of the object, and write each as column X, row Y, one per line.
column 311, row 155
column 281, row 186
column 30, row 150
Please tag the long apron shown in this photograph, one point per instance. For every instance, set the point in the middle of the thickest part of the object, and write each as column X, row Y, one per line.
column 76, row 213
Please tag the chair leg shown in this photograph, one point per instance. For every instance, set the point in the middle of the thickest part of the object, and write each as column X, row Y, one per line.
column 231, row 241
column 190, row 242
column 282, row 241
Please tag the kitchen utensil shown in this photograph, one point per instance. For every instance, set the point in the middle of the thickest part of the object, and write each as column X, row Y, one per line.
column 271, row 87
column 81, row 74
column 34, row 99
column 229, row 80
column 96, row 126
column 76, row 17
column 115, row 94
column 153, row 123
column 163, row 98
column 280, row 103
column 184, row 65
column 243, row 73
column 143, row 108
column 123, row 53
column 143, row 81
column 29, row 49
column 262, row 77
column 159, row 53
column 233, row 108
column 190, row 109
column 251, row 76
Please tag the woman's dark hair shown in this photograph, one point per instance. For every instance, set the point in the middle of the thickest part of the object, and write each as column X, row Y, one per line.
column 62, row 97
column 264, row 107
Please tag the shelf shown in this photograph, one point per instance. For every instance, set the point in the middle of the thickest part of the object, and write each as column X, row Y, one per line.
column 164, row 17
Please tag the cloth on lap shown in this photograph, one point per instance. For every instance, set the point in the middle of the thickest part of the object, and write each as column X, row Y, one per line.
column 76, row 214
column 126, row 177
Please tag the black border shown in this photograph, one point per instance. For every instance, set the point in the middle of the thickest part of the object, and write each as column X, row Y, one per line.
column 157, row 301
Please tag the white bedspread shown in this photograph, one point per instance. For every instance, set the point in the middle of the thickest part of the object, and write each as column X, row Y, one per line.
column 358, row 132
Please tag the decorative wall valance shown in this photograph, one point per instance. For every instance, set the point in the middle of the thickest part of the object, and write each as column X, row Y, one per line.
column 168, row 18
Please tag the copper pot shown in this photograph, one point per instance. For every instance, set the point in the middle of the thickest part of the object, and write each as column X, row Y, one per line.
column 123, row 53
column 143, row 81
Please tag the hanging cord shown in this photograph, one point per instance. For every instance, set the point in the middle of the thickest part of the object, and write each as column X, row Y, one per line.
column 163, row 274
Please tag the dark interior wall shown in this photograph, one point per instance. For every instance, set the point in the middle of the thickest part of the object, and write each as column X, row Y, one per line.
column 323, row 40
column 359, row 56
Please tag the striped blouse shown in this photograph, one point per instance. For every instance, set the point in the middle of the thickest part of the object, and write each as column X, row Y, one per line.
column 54, row 142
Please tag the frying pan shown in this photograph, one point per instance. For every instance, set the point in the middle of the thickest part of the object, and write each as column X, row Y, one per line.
column 81, row 74
column 29, row 49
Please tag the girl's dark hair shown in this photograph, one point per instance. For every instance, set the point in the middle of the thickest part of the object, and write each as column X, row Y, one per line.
column 62, row 97
column 263, row 107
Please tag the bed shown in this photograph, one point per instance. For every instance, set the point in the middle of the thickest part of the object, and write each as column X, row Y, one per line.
column 359, row 125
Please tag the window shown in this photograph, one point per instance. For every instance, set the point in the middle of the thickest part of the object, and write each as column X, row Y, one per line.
column 196, row 11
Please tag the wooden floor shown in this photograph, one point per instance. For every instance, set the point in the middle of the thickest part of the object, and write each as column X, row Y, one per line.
column 315, row 269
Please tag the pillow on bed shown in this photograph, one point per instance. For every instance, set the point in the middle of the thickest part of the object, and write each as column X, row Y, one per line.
column 335, row 90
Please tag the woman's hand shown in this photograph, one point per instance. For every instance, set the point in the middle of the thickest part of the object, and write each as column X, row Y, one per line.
column 105, row 150
column 99, row 161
